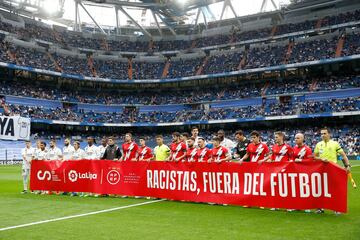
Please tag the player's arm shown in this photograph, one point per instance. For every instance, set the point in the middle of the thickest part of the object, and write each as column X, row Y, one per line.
column 63, row 156
column 154, row 155
column 151, row 157
column 344, row 159
column 23, row 155
column 118, row 154
column 308, row 155
column 317, row 157
column 32, row 156
column 123, row 153
column 60, row 155
column 182, row 157
column 290, row 154
column 228, row 157
column 296, row 159
column 267, row 158
column 169, row 158
column 148, row 159
column 98, row 153
column 82, row 154
column 210, row 157
column 236, row 154
column 268, row 155
column 136, row 153
column 246, row 156
column 104, row 156
column 169, row 153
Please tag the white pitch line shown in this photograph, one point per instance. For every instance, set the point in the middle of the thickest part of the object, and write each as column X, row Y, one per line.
column 79, row 215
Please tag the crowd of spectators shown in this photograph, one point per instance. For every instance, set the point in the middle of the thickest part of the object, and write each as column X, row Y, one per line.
column 268, row 108
column 73, row 39
column 260, row 55
column 184, row 67
column 228, row 62
column 186, row 96
column 314, row 50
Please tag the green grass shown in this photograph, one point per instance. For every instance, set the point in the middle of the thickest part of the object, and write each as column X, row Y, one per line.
column 162, row 220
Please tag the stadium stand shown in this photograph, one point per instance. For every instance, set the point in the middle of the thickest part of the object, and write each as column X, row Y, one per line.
column 249, row 74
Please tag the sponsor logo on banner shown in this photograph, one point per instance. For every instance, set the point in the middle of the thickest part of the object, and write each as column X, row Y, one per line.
column 42, row 175
column 74, row 175
column 47, row 176
column 113, row 177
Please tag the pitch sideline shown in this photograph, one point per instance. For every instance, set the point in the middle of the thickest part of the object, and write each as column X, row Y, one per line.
column 80, row 215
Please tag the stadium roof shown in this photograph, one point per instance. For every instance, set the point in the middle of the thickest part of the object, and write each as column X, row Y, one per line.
column 145, row 14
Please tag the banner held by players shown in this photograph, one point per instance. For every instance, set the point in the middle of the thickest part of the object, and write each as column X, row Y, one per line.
column 289, row 185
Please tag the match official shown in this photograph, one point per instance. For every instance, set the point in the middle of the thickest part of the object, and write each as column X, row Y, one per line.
column 161, row 151
column 328, row 150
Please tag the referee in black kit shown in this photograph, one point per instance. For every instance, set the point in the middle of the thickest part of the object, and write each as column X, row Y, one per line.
column 242, row 143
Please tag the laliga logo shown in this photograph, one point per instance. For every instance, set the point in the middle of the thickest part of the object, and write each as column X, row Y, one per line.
column 46, row 175
column 113, row 177
column 74, row 176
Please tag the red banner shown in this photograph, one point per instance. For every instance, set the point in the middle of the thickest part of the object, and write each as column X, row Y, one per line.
column 290, row 185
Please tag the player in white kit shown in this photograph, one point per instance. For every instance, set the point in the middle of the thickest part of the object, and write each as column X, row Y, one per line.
column 68, row 150
column 91, row 153
column 54, row 153
column 40, row 154
column 91, row 150
column 102, row 147
column 27, row 154
column 41, row 151
column 78, row 152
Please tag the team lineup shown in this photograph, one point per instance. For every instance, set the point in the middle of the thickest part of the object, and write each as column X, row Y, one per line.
column 185, row 148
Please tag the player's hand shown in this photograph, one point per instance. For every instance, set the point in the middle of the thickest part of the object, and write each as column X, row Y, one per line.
column 261, row 162
column 348, row 169
column 324, row 160
column 241, row 161
column 297, row 160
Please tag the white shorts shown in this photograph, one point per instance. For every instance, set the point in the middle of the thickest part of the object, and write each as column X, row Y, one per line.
column 25, row 172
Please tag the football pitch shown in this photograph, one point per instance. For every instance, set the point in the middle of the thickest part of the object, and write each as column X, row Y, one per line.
column 65, row 217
